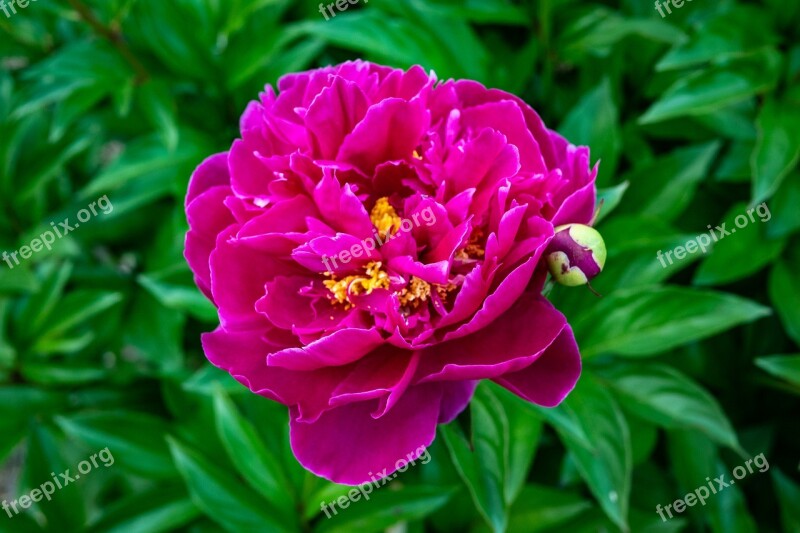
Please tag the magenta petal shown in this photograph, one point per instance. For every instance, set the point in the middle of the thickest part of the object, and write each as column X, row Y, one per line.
column 339, row 348
column 484, row 161
column 283, row 303
column 207, row 216
column 510, row 343
column 506, row 117
column 385, row 373
column 472, row 93
column 210, row 173
column 238, row 277
column 431, row 272
column 456, row 399
column 508, row 292
column 282, row 217
column 243, row 354
column 322, row 254
column 390, row 130
column 341, row 208
column 249, row 176
column 549, row 379
column 333, row 114
column 347, row 445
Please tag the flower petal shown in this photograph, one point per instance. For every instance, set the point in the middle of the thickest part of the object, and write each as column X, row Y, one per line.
column 549, row 379
column 510, row 343
column 347, row 445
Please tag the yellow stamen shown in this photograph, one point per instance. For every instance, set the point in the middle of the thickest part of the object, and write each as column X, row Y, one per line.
column 342, row 289
column 384, row 218
column 417, row 291
column 416, row 155
column 444, row 290
column 412, row 296
column 473, row 249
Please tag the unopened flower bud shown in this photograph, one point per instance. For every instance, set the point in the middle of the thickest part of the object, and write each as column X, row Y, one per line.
column 576, row 254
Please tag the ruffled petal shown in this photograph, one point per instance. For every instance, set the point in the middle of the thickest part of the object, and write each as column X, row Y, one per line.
column 510, row 343
column 347, row 445
column 549, row 379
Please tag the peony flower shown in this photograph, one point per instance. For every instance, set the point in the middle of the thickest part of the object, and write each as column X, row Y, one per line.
column 374, row 244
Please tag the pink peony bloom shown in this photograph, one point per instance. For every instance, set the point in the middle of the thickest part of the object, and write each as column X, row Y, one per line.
column 374, row 244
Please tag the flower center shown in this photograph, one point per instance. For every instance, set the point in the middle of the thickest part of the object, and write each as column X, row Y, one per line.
column 417, row 291
column 341, row 290
column 385, row 218
column 474, row 248
column 411, row 296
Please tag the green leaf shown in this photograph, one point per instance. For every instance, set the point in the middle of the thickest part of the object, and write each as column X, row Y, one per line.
column 221, row 496
column 542, row 508
column 609, row 198
column 594, row 121
column 734, row 166
column 257, row 464
column 154, row 334
column 76, row 75
column 19, row 405
column 385, row 508
column 708, row 90
column 606, row 464
column 671, row 400
column 777, row 149
column 635, row 244
column 384, row 39
column 78, row 307
column 173, row 287
column 785, row 215
column 136, row 440
column 62, row 374
column 17, row 280
column 785, row 367
column 525, row 430
column 694, row 463
column 663, row 188
column 484, row 469
column 784, row 291
column 39, row 174
column 642, row 322
column 602, row 28
column 180, row 34
column 73, row 107
column 45, row 455
column 466, row 54
column 158, row 510
column 789, row 498
column 208, row 378
column 159, row 108
column 731, row 33
column 37, row 308
column 742, row 253
column 143, row 158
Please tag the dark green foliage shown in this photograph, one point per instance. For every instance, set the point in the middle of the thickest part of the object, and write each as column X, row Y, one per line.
column 690, row 370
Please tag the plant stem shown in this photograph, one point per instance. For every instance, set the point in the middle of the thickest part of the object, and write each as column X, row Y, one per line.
column 114, row 37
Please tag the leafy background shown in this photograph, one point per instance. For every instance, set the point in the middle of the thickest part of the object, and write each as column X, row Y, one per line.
column 689, row 370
